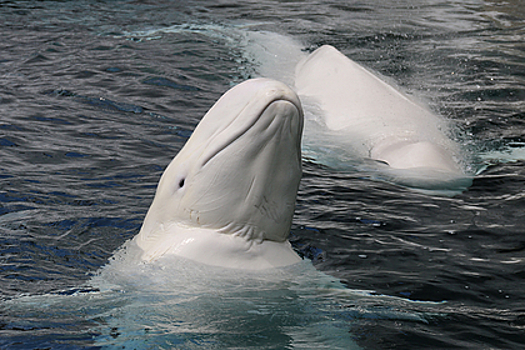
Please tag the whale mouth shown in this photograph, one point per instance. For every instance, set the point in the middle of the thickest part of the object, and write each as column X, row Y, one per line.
column 282, row 107
column 283, row 103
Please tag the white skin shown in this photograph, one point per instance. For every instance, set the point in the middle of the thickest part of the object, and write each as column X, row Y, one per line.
column 228, row 197
column 389, row 126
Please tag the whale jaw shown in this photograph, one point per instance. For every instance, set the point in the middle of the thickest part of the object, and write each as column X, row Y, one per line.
column 228, row 197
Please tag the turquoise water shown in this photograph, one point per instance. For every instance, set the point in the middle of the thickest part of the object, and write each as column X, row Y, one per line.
column 96, row 98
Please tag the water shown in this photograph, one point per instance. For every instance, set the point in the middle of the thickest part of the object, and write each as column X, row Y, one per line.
column 97, row 97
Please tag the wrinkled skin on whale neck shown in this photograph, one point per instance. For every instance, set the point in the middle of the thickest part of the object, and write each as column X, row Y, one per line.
column 238, row 174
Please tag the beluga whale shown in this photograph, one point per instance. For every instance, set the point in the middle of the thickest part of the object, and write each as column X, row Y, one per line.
column 211, row 266
column 374, row 120
column 228, row 197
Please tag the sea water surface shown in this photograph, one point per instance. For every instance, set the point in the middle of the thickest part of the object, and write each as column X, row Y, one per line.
column 96, row 97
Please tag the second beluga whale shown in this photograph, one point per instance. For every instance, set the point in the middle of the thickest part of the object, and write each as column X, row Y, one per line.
column 372, row 119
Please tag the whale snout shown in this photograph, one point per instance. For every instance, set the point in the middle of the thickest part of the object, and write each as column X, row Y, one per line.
column 277, row 95
column 281, row 118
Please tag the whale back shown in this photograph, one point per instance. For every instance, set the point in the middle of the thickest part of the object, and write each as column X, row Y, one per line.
column 378, row 119
column 350, row 93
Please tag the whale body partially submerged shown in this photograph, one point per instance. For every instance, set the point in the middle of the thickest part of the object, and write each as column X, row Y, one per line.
column 375, row 120
column 228, row 197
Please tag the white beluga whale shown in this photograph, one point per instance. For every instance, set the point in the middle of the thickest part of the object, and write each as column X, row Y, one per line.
column 228, row 197
column 226, row 200
column 376, row 121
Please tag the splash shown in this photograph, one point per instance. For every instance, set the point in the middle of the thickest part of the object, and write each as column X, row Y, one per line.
column 178, row 303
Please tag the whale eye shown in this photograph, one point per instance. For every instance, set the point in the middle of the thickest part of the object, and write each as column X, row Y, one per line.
column 181, row 183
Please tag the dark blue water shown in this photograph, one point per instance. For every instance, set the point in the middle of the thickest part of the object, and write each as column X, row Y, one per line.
column 96, row 97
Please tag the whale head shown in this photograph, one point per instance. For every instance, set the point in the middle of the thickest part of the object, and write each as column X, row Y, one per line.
column 238, row 173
